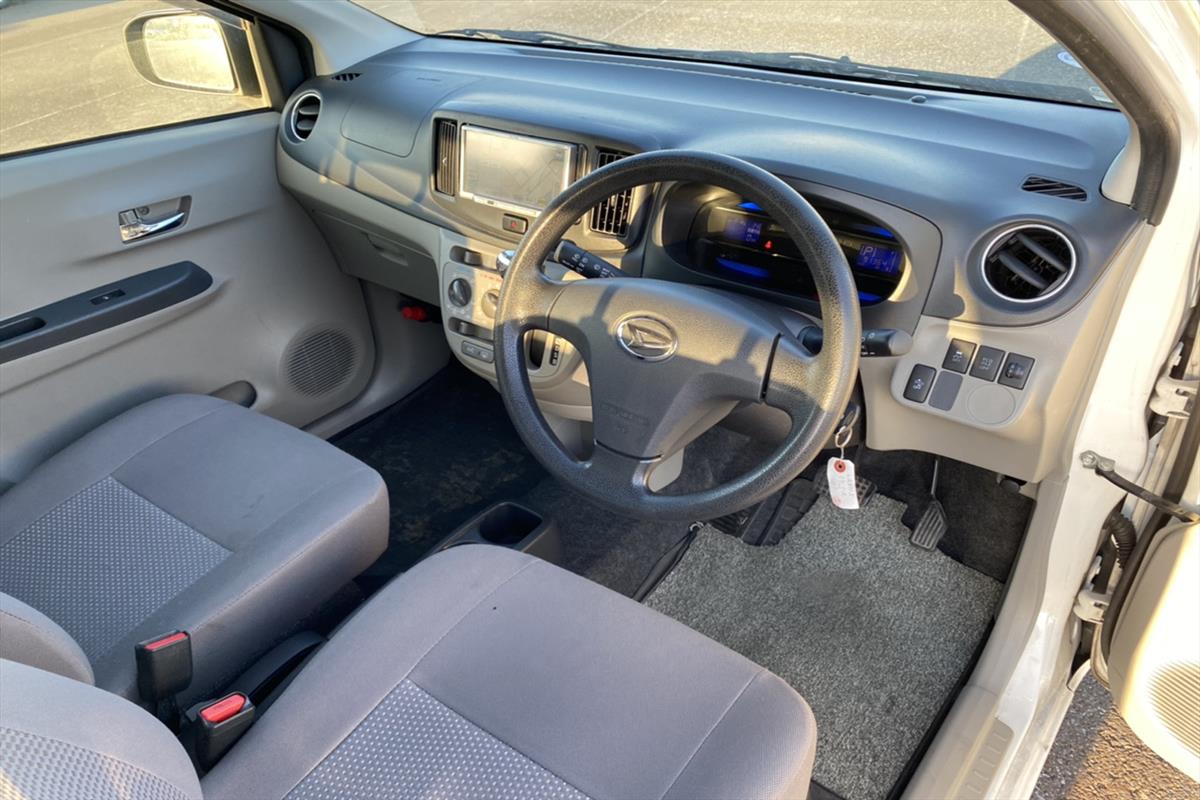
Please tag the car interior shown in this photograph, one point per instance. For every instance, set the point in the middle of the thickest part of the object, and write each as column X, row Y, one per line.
column 494, row 418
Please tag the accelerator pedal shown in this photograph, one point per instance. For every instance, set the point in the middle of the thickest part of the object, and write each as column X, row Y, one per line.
column 932, row 525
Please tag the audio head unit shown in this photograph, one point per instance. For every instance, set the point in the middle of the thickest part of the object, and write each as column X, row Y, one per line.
column 513, row 172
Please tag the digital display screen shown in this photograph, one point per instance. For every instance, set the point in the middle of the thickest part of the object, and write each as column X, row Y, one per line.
column 513, row 172
column 744, row 230
column 877, row 258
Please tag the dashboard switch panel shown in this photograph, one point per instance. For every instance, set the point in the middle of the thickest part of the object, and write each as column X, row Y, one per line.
column 987, row 363
column 958, row 356
column 1016, row 371
column 920, row 380
column 945, row 391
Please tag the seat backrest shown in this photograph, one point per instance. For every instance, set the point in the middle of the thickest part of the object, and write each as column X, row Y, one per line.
column 62, row 738
column 30, row 637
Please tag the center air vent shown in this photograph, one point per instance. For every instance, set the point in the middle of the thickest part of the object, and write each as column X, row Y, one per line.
column 1029, row 263
column 445, row 156
column 304, row 116
column 612, row 216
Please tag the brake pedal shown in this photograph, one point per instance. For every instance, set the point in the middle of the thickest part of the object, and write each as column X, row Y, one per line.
column 864, row 486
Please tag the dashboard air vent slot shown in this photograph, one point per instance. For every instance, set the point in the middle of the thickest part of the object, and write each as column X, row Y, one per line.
column 346, row 77
column 1029, row 263
column 304, row 116
column 1067, row 191
column 445, row 156
column 612, row 216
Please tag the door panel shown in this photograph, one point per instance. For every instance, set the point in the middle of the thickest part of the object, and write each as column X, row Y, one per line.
column 278, row 314
column 1154, row 658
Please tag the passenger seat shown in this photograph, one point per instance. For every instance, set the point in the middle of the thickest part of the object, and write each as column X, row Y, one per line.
column 187, row 512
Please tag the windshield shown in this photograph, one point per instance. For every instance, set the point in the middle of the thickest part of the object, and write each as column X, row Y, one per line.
column 979, row 45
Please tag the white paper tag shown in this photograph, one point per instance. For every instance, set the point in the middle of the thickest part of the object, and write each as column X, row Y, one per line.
column 843, row 489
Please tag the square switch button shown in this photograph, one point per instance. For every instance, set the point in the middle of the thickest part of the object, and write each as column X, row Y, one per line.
column 958, row 356
column 1016, row 371
column 919, row 382
column 987, row 363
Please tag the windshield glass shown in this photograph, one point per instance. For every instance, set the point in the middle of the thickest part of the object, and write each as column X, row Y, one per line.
column 979, row 45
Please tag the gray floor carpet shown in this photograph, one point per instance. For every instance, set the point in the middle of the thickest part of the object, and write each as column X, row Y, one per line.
column 872, row 631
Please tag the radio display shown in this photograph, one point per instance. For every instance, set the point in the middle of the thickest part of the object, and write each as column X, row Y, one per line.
column 513, row 172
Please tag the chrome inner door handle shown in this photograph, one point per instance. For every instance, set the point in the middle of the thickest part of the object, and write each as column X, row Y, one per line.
column 139, row 223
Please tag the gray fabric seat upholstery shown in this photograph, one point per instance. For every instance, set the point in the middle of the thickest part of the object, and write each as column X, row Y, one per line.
column 185, row 512
column 487, row 673
column 481, row 673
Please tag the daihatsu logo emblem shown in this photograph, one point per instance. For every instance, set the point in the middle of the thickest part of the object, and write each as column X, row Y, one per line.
column 647, row 338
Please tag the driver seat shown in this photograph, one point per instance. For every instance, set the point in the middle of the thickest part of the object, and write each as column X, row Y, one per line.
column 481, row 673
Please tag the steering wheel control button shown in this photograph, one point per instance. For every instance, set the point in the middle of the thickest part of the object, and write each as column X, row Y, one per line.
column 647, row 338
column 920, row 381
column 1016, row 371
column 987, row 363
column 484, row 354
column 514, row 224
column 459, row 292
column 945, row 390
column 958, row 356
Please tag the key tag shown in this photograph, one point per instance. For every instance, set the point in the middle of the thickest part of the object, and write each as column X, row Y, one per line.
column 839, row 474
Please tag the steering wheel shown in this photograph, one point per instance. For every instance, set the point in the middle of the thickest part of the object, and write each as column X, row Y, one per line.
column 667, row 361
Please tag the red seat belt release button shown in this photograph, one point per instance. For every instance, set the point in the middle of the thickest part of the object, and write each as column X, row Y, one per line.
column 211, row 728
column 164, row 665
column 224, row 709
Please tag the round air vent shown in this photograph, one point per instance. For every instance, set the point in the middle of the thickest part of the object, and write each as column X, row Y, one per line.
column 1029, row 263
column 320, row 361
column 304, row 115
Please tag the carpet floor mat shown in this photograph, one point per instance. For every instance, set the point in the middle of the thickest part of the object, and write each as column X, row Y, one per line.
column 873, row 632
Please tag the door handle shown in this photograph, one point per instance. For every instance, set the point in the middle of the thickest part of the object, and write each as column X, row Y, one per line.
column 137, row 223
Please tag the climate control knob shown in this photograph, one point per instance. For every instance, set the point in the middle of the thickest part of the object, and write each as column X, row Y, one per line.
column 459, row 292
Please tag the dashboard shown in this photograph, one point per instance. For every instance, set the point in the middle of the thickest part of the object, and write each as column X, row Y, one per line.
column 975, row 226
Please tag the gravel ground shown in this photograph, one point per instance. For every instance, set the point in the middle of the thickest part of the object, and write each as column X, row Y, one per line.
column 1096, row 755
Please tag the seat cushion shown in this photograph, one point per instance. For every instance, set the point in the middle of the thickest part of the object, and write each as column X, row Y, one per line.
column 62, row 739
column 188, row 512
column 484, row 672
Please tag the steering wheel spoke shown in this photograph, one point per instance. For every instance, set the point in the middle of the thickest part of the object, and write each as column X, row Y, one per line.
column 794, row 380
column 665, row 360
column 618, row 474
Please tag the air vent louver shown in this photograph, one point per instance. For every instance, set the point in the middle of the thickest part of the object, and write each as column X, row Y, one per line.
column 1029, row 263
column 445, row 156
column 347, row 76
column 304, row 116
column 1067, row 191
column 612, row 216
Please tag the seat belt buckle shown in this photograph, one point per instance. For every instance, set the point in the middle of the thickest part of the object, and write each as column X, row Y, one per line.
column 164, row 666
column 211, row 728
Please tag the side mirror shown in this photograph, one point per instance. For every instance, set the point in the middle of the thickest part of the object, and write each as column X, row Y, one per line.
column 193, row 51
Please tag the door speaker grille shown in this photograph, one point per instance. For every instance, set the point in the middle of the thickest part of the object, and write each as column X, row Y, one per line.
column 1175, row 692
column 320, row 362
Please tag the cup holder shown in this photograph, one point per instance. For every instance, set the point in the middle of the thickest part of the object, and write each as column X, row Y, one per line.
column 510, row 525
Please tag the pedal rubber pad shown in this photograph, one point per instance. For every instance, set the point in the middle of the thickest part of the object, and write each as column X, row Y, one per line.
column 931, row 527
column 865, row 486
